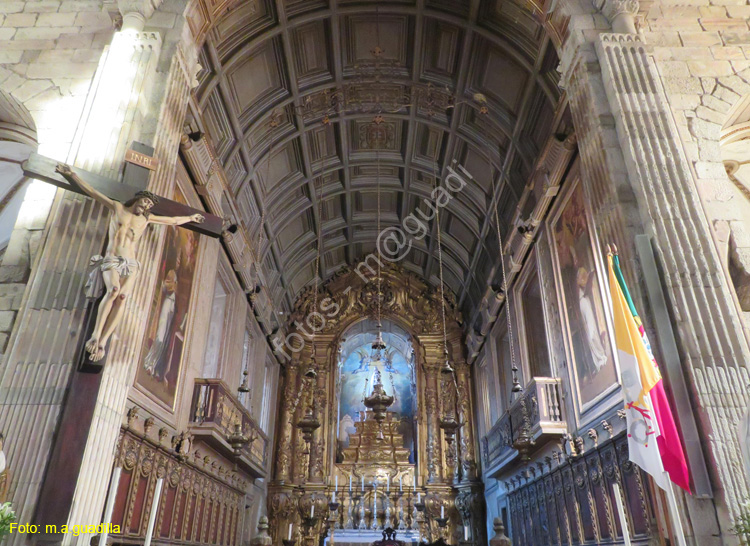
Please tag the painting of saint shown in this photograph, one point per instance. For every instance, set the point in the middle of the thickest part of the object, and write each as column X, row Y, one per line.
column 161, row 357
column 591, row 347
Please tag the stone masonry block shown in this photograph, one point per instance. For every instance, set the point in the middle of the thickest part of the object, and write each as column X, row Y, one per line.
column 704, row 129
column 78, row 6
column 27, row 45
column 713, row 12
column 56, row 20
column 93, row 20
column 161, row 19
column 696, row 39
column 736, row 38
column 6, row 320
column 690, row 86
column 711, row 68
column 4, row 338
column 6, row 34
column 710, row 115
column 724, row 25
column 715, row 103
column 728, row 53
column 74, row 41
column 21, row 20
column 674, row 69
column 44, row 33
column 709, row 169
column 709, row 150
column 42, row 6
column 11, row 7
column 739, row 12
column 10, row 57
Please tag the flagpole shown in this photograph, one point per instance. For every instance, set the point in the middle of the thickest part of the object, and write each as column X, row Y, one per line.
column 679, row 534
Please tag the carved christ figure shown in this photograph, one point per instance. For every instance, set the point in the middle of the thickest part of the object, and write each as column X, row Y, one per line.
column 114, row 274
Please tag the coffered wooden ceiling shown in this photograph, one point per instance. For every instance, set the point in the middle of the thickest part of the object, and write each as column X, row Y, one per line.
column 265, row 58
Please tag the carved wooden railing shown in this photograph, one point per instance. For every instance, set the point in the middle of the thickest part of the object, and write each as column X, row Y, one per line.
column 214, row 412
column 544, row 410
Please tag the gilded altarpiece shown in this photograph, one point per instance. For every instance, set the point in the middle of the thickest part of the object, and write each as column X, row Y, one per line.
column 375, row 460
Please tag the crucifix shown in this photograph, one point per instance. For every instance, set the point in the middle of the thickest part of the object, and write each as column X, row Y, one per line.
column 133, row 209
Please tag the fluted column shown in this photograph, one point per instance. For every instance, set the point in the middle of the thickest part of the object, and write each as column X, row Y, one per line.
column 633, row 163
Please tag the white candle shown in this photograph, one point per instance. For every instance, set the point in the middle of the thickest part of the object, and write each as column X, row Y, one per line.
column 312, row 510
column 400, row 484
column 363, row 483
column 466, row 534
column 389, row 483
column 442, row 511
column 154, row 510
column 334, row 496
column 290, row 531
column 350, row 483
column 113, row 483
column 415, row 484
column 419, row 498
column 337, row 482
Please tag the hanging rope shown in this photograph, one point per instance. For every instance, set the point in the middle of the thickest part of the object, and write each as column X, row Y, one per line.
column 514, row 369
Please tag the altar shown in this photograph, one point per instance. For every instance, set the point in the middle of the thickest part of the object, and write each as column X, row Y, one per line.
column 353, row 537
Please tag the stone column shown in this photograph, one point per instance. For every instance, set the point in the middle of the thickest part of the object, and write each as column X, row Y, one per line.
column 40, row 359
column 633, row 164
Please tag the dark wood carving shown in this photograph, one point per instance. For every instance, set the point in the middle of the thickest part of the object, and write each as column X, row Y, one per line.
column 575, row 504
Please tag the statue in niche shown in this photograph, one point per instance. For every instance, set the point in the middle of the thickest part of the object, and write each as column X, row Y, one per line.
column 114, row 274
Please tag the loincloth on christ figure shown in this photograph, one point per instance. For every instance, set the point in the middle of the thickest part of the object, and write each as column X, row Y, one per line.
column 125, row 267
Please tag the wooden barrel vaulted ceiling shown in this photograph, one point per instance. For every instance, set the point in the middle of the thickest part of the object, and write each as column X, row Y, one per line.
column 265, row 59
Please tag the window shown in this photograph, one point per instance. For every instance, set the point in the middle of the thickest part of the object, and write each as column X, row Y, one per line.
column 212, row 359
column 534, row 328
column 484, row 407
column 268, row 382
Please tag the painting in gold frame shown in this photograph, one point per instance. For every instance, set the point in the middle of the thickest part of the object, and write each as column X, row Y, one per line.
column 162, row 353
column 582, row 299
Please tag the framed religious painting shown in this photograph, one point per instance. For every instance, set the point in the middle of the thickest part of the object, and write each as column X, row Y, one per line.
column 581, row 289
column 162, row 355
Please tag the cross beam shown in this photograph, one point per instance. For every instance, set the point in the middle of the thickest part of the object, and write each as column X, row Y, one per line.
column 43, row 168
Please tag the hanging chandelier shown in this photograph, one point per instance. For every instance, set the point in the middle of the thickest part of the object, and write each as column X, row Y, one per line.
column 308, row 424
column 379, row 401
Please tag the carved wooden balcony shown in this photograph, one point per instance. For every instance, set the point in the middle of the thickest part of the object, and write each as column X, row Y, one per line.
column 214, row 412
column 545, row 421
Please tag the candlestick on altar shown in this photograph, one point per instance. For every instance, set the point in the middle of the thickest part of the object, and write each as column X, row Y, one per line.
column 350, row 483
column 442, row 510
column 312, row 510
column 291, row 526
column 154, row 509
column 400, row 484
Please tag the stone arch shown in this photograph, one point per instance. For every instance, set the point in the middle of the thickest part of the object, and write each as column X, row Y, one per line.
column 733, row 229
column 17, row 140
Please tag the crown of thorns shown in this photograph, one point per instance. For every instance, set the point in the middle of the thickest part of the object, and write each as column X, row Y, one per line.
column 148, row 195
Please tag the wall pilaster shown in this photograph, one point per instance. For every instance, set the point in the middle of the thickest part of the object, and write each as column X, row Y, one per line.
column 638, row 181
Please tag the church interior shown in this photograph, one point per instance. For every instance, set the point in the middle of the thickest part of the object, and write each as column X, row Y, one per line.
column 374, row 272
